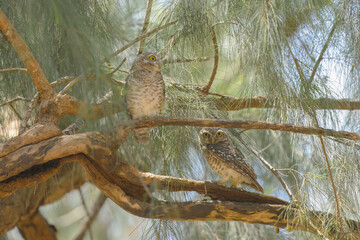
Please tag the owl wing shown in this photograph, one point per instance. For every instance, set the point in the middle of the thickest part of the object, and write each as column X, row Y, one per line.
column 233, row 158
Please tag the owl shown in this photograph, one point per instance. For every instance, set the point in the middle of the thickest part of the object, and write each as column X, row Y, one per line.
column 225, row 160
column 145, row 96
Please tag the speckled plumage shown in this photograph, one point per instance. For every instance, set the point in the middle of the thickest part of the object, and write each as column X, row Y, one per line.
column 225, row 160
column 145, row 95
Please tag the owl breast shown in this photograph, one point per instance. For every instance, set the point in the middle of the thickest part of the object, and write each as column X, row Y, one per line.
column 146, row 96
column 221, row 168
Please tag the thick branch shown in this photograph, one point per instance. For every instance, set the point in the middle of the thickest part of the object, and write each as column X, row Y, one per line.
column 36, row 73
column 120, row 182
column 34, row 135
column 36, row 227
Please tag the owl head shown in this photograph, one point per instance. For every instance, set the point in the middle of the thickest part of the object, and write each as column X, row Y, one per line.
column 147, row 61
column 212, row 136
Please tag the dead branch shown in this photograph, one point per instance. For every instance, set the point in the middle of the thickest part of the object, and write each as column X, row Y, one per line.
column 32, row 66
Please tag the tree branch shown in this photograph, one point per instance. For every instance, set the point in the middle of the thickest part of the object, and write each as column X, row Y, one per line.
column 160, row 121
column 264, row 162
column 15, row 100
column 135, row 41
column 216, row 60
column 24, row 70
column 178, row 60
column 121, row 182
column 146, row 24
column 33, row 68
column 36, row 227
column 229, row 103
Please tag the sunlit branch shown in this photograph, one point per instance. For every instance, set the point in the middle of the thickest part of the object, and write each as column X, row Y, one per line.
column 24, row 70
column 32, row 66
column 146, row 24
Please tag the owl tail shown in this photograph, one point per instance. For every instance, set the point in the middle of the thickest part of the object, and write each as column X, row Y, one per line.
column 142, row 135
column 255, row 185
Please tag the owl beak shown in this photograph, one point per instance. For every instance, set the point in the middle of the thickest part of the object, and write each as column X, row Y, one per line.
column 213, row 140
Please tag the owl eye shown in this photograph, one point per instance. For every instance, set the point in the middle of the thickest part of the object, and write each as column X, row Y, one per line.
column 152, row 58
column 206, row 135
column 219, row 134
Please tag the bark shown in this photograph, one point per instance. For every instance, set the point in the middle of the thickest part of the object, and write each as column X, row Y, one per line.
column 36, row 227
column 122, row 183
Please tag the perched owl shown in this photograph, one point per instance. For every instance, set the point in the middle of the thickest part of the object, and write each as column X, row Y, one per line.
column 225, row 160
column 145, row 95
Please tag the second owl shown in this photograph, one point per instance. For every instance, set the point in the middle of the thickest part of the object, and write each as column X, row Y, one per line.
column 226, row 160
column 145, row 95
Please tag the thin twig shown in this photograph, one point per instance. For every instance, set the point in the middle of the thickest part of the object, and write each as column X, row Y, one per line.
column 16, row 113
column 72, row 83
column 179, row 60
column 87, row 212
column 15, row 100
column 323, row 50
column 330, row 174
column 117, row 68
column 146, row 24
column 24, row 122
column 216, row 60
column 306, row 85
column 24, row 70
column 263, row 161
column 62, row 80
column 86, row 223
column 135, row 41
